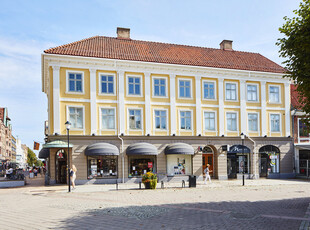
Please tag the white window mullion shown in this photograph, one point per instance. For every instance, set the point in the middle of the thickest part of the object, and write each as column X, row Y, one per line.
column 56, row 105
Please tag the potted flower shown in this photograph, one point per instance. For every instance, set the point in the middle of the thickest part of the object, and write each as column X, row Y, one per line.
column 149, row 180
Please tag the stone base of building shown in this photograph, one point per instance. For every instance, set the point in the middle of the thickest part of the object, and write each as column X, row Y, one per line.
column 12, row 184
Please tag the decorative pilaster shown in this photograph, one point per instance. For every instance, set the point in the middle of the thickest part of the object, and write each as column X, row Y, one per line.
column 148, row 116
column 243, row 114
column 198, row 106
column 121, row 102
column 93, row 103
column 264, row 114
column 56, row 103
column 173, row 121
column 221, row 107
column 287, row 109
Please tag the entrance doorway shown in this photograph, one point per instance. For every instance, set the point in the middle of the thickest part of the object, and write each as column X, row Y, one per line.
column 304, row 162
column 61, row 167
column 269, row 161
column 207, row 158
column 232, row 166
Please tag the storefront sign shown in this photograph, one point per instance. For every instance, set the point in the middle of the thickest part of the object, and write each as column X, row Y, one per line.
column 239, row 149
column 150, row 165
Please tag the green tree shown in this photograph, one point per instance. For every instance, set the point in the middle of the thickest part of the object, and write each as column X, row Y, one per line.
column 31, row 157
column 295, row 48
column 39, row 163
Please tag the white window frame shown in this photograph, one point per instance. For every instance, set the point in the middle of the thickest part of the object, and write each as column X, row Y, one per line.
column 270, row 102
column 191, row 88
column 215, row 120
column 128, row 115
column 67, row 81
column 258, row 122
column 167, row 119
column 303, row 139
column 237, row 122
column 237, row 92
column 153, row 86
column 141, row 85
column 280, row 122
column 202, row 90
column 100, row 118
column 192, row 123
column 257, row 92
column 100, row 85
column 68, row 116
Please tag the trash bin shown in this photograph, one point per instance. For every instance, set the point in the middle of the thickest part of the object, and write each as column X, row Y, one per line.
column 192, row 181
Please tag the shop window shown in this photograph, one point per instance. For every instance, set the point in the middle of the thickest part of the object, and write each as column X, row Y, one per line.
column 139, row 165
column 303, row 129
column 178, row 165
column 102, row 167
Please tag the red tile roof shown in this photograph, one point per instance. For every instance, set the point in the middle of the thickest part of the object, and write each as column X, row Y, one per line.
column 134, row 50
column 295, row 98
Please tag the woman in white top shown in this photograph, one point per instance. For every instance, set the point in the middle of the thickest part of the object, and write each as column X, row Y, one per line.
column 73, row 176
column 207, row 172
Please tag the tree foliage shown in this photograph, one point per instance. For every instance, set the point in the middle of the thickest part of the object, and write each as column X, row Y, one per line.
column 31, row 157
column 295, row 48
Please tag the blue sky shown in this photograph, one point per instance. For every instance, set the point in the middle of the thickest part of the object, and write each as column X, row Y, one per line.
column 29, row 27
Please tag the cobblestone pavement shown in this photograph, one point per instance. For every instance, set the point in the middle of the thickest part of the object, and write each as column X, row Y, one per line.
column 261, row 204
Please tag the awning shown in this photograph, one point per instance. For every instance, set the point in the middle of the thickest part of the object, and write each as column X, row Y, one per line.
column 57, row 144
column 179, row 148
column 44, row 153
column 239, row 149
column 101, row 149
column 303, row 147
column 141, row 148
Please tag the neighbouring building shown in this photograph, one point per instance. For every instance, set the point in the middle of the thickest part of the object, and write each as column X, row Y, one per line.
column 5, row 135
column 301, row 135
column 138, row 106
column 21, row 153
column 13, row 148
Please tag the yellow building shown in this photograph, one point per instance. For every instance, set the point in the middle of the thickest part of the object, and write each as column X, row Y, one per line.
column 138, row 106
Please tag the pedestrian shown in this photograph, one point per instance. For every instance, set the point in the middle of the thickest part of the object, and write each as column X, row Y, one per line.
column 207, row 174
column 35, row 171
column 73, row 176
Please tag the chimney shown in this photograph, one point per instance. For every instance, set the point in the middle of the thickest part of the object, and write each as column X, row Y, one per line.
column 123, row 33
column 226, row 45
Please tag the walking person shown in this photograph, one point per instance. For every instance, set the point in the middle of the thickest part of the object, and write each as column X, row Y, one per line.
column 207, row 174
column 73, row 176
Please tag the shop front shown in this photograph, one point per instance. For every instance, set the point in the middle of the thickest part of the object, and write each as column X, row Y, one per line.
column 141, row 159
column 238, row 161
column 179, row 159
column 269, row 162
column 102, row 161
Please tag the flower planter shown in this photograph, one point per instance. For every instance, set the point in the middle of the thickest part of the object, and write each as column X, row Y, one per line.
column 147, row 185
column 151, row 184
column 149, row 180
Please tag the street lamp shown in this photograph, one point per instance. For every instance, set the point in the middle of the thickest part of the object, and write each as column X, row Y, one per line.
column 68, row 125
column 242, row 139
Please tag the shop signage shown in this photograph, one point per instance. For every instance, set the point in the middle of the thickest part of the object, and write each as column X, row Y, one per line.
column 238, row 149
column 150, row 165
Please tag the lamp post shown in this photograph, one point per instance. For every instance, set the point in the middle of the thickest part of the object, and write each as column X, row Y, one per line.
column 242, row 139
column 68, row 125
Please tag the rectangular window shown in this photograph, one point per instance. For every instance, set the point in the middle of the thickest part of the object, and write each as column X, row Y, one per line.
column 161, row 119
column 252, row 92
column 209, row 121
column 274, row 94
column 107, row 84
column 102, row 167
column 275, row 122
column 208, row 90
column 108, row 118
column 159, row 87
column 134, row 85
column 231, row 91
column 185, row 88
column 186, row 120
column 76, row 117
column 75, row 82
column 135, row 119
column 252, row 122
column 231, row 119
column 303, row 130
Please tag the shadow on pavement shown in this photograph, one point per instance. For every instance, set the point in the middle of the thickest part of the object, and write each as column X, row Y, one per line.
column 278, row 214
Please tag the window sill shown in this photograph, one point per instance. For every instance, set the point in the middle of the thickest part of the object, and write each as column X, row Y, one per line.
column 78, row 93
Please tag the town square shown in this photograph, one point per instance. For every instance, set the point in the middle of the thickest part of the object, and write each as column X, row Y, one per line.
column 155, row 114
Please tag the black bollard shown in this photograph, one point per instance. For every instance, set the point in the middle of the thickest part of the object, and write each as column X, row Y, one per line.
column 162, row 184
column 139, row 185
column 183, row 183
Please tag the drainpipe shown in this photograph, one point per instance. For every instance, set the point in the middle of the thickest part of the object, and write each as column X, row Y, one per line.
column 123, row 158
column 293, row 135
column 254, row 154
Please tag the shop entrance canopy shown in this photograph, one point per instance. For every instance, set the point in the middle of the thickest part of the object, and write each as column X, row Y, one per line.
column 101, row 149
column 238, row 149
column 141, row 148
column 44, row 153
column 179, row 148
